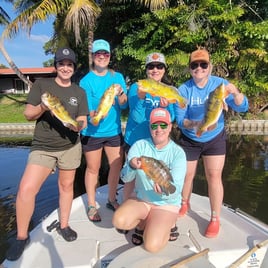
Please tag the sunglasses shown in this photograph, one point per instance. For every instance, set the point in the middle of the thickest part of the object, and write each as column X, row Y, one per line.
column 159, row 66
column 162, row 125
column 195, row 65
column 104, row 54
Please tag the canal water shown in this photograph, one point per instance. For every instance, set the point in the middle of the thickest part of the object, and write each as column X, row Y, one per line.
column 245, row 180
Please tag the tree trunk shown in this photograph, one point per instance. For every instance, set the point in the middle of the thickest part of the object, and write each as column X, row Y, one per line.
column 13, row 65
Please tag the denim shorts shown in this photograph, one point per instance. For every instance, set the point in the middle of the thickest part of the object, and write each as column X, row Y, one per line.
column 194, row 150
column 92, row 143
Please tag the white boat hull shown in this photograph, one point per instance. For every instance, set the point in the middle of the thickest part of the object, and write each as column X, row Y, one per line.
column 100, row 245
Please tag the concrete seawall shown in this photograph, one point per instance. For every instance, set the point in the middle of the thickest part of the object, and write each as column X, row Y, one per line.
column 242, row 127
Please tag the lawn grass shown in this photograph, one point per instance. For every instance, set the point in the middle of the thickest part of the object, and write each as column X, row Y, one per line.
column 12, row 107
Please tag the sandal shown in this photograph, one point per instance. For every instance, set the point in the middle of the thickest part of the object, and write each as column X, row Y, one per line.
column 93, row 214
column 137, row 237
column 67, row 233
column 173, row 234
column 121, row 231
column 113, row 205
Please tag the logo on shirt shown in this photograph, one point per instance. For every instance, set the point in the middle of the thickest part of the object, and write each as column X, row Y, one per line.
column 73, row 101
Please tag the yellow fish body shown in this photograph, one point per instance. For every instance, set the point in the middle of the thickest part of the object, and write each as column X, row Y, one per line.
column 159, row 173
column 105, row 104
column 160, row 89
column 216, row 104
column 54, row 105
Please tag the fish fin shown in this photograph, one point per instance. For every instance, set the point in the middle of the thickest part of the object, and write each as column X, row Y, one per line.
column 182, row 103
column 66, row 124
column 171, row 188
column 95, row 120
column 212, row 127
column 164, row 190
column 224, row 106
column 198, row 133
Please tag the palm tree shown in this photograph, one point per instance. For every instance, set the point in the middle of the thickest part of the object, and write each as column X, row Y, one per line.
column 77, row 14
column 4, row 19
column 152, row 4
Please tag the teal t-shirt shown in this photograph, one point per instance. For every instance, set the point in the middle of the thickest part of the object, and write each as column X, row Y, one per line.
column 95, row 86
column 174, row 158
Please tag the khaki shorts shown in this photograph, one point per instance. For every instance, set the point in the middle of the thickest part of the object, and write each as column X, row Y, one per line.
column 68, row 159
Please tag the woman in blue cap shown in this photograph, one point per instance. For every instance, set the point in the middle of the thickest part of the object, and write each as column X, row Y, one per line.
column 106, row 135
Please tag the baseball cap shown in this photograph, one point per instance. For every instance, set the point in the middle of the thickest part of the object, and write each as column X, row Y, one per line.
column 100, row 44
column 65, row 53
column 160, row 115
column 199, row 55
column 155, row 57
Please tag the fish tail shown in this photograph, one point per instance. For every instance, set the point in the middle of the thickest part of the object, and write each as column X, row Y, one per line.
column 199, row 132
column 182, row 103
column 95, row 120
column 171, row 188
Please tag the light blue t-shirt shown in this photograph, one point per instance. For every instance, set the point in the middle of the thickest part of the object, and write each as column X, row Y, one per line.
column 197, row 103
column 95, row 86
column 174, row 158
column 139, row 114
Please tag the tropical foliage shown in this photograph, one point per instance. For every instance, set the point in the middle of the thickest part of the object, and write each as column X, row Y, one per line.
column 234, row 32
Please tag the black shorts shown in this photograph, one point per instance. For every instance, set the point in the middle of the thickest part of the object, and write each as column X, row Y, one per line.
column 194, row 150
column 92, row 143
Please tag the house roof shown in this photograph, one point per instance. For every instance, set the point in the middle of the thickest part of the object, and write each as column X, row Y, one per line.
column 43, row 70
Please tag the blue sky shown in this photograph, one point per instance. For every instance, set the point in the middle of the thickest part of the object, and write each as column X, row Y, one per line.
column 27, row 51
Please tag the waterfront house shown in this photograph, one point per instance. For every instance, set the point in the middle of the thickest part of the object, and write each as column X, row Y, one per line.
column 11, row 83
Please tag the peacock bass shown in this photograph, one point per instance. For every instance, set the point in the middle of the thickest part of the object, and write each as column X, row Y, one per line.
column 159, row 173
column 105, row 104
column 54, row 105
column 216, row 104
column 160, row 89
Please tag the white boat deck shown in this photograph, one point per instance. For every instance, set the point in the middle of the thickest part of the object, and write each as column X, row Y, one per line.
column 100, row 245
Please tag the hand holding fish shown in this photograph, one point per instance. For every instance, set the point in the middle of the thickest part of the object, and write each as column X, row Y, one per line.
column 43, row 106
column 105, row 104
column 157, row 188
column 160, row 89
column 135, row 163
column 164, row 102
column 238, row 96
column 141, row 93
column 189, row 124
column 58, row 110
column 119, row 89
column 232, row 89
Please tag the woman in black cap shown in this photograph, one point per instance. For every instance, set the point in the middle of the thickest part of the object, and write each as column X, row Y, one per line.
column 54, row 145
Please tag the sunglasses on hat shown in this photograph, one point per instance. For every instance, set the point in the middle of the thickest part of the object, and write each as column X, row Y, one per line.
column 195, row 65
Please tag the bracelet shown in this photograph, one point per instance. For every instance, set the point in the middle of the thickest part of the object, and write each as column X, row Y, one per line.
column 121, row 93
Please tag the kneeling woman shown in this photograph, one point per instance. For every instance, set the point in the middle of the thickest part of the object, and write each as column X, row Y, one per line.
column 153, row 209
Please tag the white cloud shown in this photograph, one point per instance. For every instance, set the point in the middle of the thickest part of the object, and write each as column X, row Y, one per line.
column 39, row 38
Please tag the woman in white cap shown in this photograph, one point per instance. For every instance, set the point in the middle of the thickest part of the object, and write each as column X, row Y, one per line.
column 151, row 211
column 141, row 104
column 53, row 145
column 211, row 145
column 107, row 134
